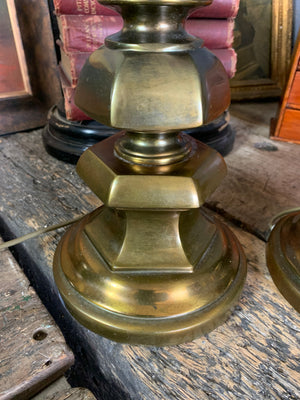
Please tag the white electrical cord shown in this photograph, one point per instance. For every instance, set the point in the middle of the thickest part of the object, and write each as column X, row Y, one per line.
column 39, row 232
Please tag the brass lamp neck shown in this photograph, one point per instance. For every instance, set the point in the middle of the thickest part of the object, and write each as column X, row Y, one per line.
column 164, row 26
column 153, row 149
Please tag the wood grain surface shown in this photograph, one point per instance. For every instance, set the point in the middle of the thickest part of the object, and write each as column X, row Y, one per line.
column 74, row 394
column 61, row 390
column 262, row 180
column 294, row 96
column 289, row 130
column 33, row 350
column 254, row 355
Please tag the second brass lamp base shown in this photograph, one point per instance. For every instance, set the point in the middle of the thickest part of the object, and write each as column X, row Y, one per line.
column 150, row 267
column 283, row 257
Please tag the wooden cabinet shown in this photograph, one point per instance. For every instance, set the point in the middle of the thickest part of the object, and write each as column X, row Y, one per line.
column 288, row 123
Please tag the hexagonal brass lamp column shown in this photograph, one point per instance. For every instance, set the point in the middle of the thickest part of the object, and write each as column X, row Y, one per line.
column 150, row 267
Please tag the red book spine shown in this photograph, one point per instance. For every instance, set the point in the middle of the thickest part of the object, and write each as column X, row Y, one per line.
column 72, row 63
column 73, row 113
column 218, row 9
column 228, row 58
column 87, row 32
column 81, row 7
column 217, row 34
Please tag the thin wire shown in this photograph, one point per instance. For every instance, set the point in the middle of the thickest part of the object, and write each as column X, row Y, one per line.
column 51, row 228
column 39, row 232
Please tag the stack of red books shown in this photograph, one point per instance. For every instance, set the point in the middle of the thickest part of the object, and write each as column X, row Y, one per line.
column 84, row 25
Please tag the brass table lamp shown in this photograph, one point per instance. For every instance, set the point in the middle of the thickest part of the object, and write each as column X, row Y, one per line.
column 149, row 266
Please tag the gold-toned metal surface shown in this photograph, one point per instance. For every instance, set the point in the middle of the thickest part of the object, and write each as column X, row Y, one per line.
column 140, row 307
column 150, row 267
column 283, row 257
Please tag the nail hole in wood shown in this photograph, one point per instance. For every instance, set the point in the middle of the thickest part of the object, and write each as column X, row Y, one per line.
column 40, row 335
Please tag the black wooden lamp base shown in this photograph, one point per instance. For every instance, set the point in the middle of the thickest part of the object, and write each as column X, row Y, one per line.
column 67, row 140
column 218, row 134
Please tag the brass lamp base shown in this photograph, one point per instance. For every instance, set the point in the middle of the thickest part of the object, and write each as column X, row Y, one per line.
column 147, row 308
column 283, row 257
column 150, row 267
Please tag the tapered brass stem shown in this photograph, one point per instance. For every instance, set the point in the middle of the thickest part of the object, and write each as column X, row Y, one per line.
column 150, row 266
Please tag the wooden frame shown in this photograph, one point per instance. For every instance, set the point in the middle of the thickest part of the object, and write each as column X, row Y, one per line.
column 34, row 39
column 279, row 49
column 14, row 81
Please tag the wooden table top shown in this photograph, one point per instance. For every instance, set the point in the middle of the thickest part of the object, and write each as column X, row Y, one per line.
column 33, row 350
column 254, row 355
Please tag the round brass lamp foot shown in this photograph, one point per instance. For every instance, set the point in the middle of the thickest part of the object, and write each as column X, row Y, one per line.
column 149, row 307
column 283, row 257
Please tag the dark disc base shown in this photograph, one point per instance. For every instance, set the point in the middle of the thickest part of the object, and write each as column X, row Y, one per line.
column 218, row 134
column 67, row 140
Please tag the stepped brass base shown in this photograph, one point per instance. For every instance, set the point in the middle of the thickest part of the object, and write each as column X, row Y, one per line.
column 146, row 307
column 283, row 257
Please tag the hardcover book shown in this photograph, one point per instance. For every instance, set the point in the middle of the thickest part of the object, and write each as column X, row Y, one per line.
column 81, row 7
column 73, row 113
column 218, row 8
column 88, row 32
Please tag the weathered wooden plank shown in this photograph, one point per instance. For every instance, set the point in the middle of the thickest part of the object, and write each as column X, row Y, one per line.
column 38, row 190
column 60, row 385
column 33, row 350
column 61, row 390
column 30, row 178
column 74, row 394
column 255, row 355
column 262, row 180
